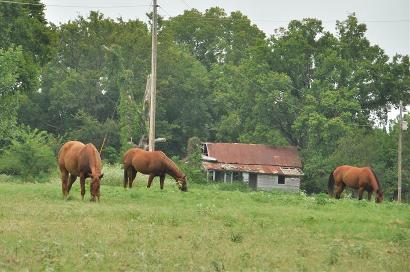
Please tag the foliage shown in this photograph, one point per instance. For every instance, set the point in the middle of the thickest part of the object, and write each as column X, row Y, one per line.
column 219, row 78
column 26, row 27
column 110, row 155
column 192, row 164
column 10, row 61
column 30, row 155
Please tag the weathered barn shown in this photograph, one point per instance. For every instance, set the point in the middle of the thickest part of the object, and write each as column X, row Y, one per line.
column 261, row 167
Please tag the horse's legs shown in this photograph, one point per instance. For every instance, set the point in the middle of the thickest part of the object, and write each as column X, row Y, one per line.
column 64, row 180
column 71, row 181
column 150, row 178
column 161, row 181
column 125, row 176
column 361, row 190
column 131, row 176
column 369, row 195
column 339, row 189
column 82, row 183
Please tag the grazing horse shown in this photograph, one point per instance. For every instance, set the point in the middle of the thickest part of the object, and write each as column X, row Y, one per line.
column 357, row 178
column 152, row 163
column 77, row 159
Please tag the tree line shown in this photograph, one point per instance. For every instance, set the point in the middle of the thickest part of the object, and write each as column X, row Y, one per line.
column 220, row 78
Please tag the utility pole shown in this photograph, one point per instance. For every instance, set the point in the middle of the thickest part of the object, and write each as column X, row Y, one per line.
column 151, row 140
column 399, row 153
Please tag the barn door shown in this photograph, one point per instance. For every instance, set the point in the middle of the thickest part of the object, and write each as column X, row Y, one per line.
column 253, row 180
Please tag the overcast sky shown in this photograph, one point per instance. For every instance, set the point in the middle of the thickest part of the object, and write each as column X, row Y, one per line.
column 388, row 21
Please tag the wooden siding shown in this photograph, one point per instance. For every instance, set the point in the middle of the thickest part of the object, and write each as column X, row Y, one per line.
column 270, row 182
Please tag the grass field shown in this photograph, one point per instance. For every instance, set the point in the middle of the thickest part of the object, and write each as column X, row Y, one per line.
column 209, row 228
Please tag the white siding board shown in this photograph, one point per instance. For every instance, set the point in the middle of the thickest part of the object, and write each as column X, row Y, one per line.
column 269, row 182
column 265, row 182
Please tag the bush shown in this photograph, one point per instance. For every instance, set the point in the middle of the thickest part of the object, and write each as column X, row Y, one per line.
column 192, row 169
column 235, row 186
column 192, row 164
column 110, row 155
column 29, row 155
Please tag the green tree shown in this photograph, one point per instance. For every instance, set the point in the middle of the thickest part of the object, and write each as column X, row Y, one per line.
column 25, row 26
column 215, row 38
column 10, row 62
column 182, row 99
column 245, row 98
column 81, row 85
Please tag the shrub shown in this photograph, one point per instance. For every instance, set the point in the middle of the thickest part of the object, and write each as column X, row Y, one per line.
column 234, row 186
column 192, row 168
column 110, row 155
column 29, row 155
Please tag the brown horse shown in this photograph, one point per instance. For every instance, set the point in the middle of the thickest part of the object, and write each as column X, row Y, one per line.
column 77, row 159
column 357, row 178
column 154, row 163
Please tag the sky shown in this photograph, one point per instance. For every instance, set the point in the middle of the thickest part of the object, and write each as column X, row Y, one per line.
column 388, row 21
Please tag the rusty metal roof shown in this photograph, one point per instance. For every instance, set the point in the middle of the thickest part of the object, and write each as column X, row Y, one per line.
column 264, row 169
column 254, row 154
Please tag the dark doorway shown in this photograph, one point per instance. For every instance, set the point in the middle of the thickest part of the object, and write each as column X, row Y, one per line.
column 253, row 180
column 281, row 179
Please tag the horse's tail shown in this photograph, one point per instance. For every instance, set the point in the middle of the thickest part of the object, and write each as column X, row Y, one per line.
column 331, row 184
column 125, row 176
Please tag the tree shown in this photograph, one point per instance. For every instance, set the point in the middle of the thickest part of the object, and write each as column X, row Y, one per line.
column 10, row 61
column 182, row 99
column 82, row 83
column 215, row 38
column 244, row 101
column 25, row 26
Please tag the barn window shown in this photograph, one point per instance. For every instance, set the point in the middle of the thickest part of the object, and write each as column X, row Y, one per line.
column 219, row 176
column 237, row 176
column 281, row 179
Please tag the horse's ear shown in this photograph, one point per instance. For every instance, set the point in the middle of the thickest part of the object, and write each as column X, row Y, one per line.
column 101, row 176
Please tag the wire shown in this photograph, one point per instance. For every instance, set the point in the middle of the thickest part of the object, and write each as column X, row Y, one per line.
column 186, row 4
column 169, row 15
column 191, row 17
column 71, row 6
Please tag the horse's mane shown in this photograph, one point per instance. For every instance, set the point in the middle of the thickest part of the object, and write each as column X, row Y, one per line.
column 170, row 164
column 377, row 180
column 93, row 158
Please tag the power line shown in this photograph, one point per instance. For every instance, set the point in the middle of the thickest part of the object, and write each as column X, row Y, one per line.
column 192, row 17
column 169, row 15
column 282, row 21
column 72, row 6
column 186, row 4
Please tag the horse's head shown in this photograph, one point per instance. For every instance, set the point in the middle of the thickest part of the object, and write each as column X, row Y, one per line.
column 95, row 186
column 181, row 182
column 379, row 196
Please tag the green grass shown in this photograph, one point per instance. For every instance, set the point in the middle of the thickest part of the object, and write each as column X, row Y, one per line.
column 209, row 228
